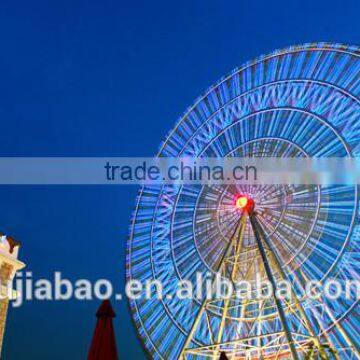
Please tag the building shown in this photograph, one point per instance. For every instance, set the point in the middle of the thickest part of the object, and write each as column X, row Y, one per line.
column 9, row 264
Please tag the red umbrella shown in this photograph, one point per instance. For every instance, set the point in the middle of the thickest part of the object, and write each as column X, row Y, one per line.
column 103, row 345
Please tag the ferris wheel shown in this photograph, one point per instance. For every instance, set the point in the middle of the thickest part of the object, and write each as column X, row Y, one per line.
column 303, row 101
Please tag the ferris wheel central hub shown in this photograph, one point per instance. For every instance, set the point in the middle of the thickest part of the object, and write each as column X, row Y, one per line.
column 245, row 203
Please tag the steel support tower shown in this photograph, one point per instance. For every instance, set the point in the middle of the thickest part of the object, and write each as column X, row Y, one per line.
column 252, row 340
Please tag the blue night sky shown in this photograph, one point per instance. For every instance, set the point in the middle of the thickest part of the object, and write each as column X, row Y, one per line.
column 110, row 78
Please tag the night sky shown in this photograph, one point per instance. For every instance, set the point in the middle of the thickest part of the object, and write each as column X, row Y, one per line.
column 110, row 78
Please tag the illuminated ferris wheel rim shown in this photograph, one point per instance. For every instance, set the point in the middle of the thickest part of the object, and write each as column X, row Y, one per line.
column 317, row 49
column 330, row 47
column 339, row 48
column 309, row 47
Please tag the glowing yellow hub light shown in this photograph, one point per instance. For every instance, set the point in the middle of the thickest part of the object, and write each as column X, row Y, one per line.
column 241, row 202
